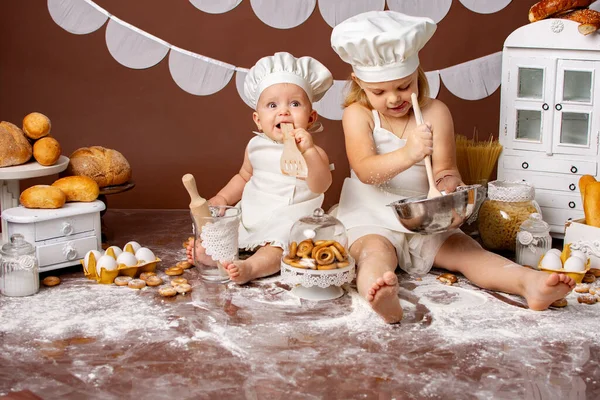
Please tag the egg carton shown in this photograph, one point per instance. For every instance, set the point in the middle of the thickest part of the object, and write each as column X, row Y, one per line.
column 121, row 264
column 564, row 256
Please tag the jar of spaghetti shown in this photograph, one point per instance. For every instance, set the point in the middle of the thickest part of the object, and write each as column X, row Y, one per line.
column 508, row 205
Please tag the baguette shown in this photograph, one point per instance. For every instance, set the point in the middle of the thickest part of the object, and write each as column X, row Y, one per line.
column 591, row 204
column 78, row 188
column 42, row 196
column 547, row 8
column 589, row 20
column 583, row 182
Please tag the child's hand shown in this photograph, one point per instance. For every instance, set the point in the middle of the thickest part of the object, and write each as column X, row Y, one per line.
column 304, row 140
column 448, row 183
column 419, row 143
column 218, row 200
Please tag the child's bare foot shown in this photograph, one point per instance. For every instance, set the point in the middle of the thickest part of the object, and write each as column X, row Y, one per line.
column 544, row 290
column 201, row 255
column 239, row 272
column 383, row 297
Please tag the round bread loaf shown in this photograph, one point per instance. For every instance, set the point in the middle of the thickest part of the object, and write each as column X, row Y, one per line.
column 15, row 149
column 43, row 196
column 107, row 167
column 46, row 151
column 36, row 125
column 78, row 188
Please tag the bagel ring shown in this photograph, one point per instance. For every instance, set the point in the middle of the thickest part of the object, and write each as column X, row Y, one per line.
column 343, row 264
column 178, row 281
column 167, row 291
column 324, row 256
column 183, row 288
column 325, row 243
column 184, row 265
column 337, row 254
column 122, row 280
column 297, row 264
column 326, row 267
column 51, row 281
column 174, row 271
column 145, row 275
column 289, row 260
column 341, row 249
column 304, row 248
column 293, row 249
column 136, row 284
column 154, row 280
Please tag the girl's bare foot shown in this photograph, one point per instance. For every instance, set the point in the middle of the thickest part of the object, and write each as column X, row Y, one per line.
column 383, row 297
column 201, row 255
column 544, row 290
column 239, row 272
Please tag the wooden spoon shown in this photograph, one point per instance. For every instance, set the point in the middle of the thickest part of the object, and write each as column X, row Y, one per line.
column 292, row 161
column 433, row 192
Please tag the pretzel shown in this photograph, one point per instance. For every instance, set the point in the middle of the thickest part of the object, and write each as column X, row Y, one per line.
column 589, row 20
column 547, row 8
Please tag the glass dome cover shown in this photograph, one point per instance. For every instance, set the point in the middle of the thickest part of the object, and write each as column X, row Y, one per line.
column 317, row 241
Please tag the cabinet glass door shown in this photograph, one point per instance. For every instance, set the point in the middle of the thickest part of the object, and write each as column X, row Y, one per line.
column 531, row 91
column 575, row 130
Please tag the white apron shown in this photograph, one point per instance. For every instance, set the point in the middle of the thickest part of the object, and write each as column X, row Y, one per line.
column 271, row 202
column 363, row 208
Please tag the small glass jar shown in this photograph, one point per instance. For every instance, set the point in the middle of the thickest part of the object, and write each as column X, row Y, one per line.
column 508, row 205
column 19, row 274
column 533, row 241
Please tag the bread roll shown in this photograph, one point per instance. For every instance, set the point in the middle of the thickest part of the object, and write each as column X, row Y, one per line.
column 15, row 149
column 547, row 8
column 46, row 151
column 36, row 125
column 43, row 196
column 583, row 182
column 591, row 204
column 107, row 167
column 78, row 188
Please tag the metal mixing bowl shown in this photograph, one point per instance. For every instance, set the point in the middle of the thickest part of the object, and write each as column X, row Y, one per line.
column 438, row 214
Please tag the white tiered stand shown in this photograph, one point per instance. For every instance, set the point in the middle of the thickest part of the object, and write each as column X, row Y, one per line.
column 9, row 183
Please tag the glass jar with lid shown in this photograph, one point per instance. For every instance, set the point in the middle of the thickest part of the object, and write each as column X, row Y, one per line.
column 533, row 241
column 19, row 275
column 508, row 205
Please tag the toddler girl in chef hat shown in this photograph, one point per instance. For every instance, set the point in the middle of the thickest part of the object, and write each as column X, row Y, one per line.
column 386, row 148
column 281, row 88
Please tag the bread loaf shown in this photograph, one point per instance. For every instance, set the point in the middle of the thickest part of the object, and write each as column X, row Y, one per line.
column 15, row 149
column 43, row 196
column 547, row 8
column 78, row 188
column 589, row 20
column 107, row 167
column 36, row 125
column 591, row 204
column 46, row 151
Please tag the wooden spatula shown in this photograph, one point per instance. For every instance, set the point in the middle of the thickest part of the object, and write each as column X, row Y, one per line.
column 433, row 192
column 292, row 162
column 198, row 205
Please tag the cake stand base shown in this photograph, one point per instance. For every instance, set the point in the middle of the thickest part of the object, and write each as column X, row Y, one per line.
column 316, row 293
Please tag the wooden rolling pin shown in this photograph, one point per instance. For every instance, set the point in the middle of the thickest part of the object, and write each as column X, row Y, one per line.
column 198, row 204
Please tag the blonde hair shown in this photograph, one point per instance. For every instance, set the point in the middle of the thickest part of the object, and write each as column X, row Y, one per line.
column 357, row 95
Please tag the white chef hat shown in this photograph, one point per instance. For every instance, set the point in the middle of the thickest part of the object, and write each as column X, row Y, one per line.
column 306, row 72
column 382, row 46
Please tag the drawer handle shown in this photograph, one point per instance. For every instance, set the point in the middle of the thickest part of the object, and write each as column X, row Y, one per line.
column 558, row 107
column 573, row 169
column 525, row 165
column 67, row 229
column 70, row 252
column 571, row 204
column 545, row 106
column 572, row 186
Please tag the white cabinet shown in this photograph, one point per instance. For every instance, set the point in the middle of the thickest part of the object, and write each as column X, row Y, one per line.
column 549, row 114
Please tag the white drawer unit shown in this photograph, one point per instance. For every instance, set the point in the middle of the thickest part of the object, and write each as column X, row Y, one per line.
column 61, row 236
column 549, row 119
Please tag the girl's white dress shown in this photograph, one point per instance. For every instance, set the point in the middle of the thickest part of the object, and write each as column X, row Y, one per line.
column 363, row 208
column 271, row 201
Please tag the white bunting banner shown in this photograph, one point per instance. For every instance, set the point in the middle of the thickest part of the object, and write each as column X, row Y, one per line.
column 433, row 79
column 240, row 77
column 486, row 6
column 434, row 9
column 197, row 74
column 283, row 14
column 77, row 16
column 330, row 106
column 336, row 11
column 475, row 79
column 215, row 6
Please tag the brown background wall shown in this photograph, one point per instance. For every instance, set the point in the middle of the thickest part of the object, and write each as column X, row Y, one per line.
column 164, row 131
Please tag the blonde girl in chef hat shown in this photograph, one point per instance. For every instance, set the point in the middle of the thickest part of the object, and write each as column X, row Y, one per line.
column 281, row 88
column 386, row 148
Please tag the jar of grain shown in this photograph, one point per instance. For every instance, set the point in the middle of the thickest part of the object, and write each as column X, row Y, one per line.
column 508, row 205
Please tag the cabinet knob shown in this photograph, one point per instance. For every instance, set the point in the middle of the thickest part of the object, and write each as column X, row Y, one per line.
column 70, row 252
column 66, row 229
column 525, row 165
column 573, row 169
column 572, row 186
column 558, row 107
column 545, row 106
column 571, row 204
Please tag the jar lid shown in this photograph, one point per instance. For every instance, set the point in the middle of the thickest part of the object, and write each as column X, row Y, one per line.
column 535, row 224
column 17, row 246
column 509, row 191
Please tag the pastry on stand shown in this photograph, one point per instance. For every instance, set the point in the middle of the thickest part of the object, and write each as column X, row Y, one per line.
column 316, row 261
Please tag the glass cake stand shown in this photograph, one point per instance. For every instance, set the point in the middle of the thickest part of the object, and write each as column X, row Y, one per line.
column 317, row 285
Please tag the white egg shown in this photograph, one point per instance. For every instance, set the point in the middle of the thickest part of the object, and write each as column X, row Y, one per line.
column 127, row 258
column 554, row 251
column 86, row 259
column 135, row 246
column 574, row 264
column 106, row 262
column 116, row 250
column 551, row 261
column 579, row 254
column 145, row 255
